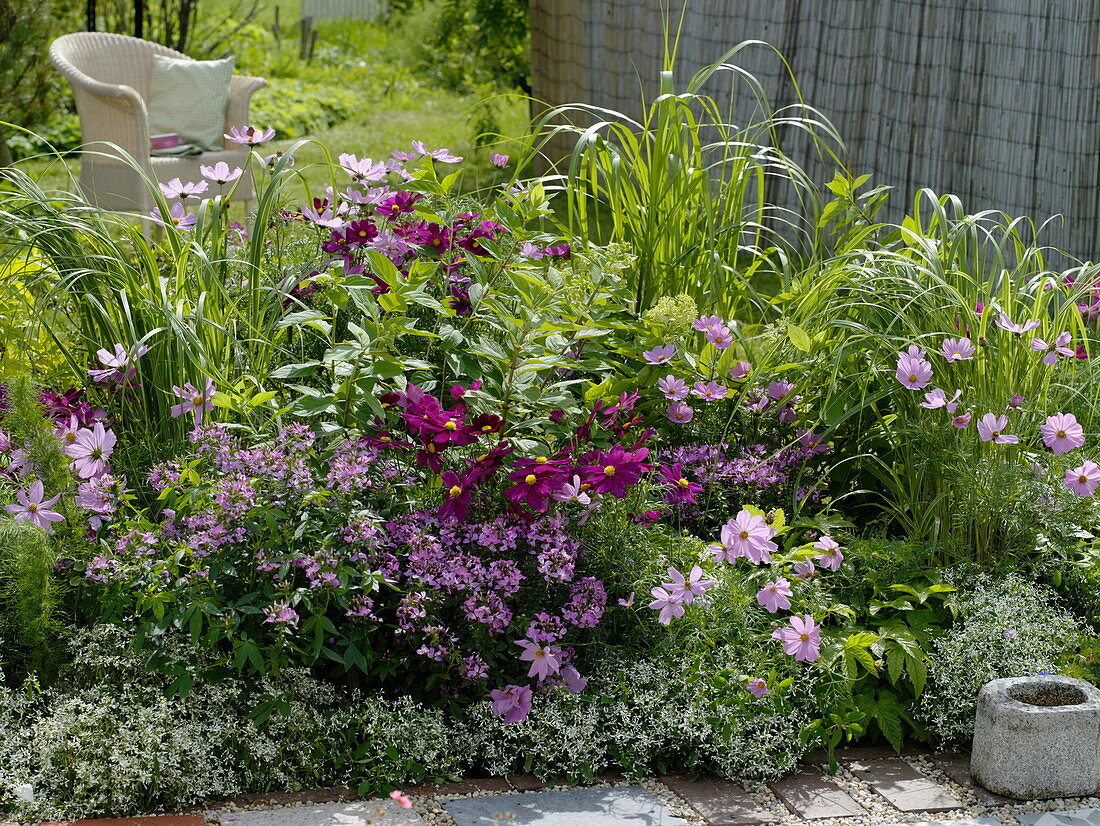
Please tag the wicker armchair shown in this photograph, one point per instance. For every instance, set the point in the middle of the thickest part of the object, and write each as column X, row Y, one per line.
column 111, row 75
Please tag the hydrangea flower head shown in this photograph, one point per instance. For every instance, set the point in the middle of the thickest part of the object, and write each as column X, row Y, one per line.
column 1062, row 433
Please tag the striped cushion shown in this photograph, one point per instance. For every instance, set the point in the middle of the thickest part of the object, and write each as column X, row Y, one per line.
column 189, row 97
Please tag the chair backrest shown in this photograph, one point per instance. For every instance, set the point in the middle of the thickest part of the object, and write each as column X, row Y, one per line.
column 109, row 58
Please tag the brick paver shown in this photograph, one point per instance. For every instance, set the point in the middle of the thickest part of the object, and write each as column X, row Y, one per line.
column 812, row 796
column 719, row 802
column 905, row 788
column 957, row 767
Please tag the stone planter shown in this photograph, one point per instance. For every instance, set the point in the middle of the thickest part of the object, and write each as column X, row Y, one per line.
column 1038, row 737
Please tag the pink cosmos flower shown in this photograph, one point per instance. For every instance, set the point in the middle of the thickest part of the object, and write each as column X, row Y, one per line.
column 746, row 535
column 957, row 349
column 741, row 370
column 400, row 799
column 498, row 160
column 1016, row 400
column 1006, row 323
column 804, row 569
column 936, row 398
column 991, row 429
column 177, row 217
column 1081, row 480
column 572, row 491
column 708, row 322
column 193, row 399
column 774, row 595
column 831, row 556
column 249, row 135
column 961, row 421
column 674, row 389
column 363, row 170
column 573, row 680
column 545, row 659
column 441, row 155
column 913, row 373
column 628, row 602
column 1062, row 433
column 689, row 587
column 117, row 366
column 91, row 450
column 660, row 355
column 757, row 687
column 1059, row 348
column 680, row 413
column 220, row 173
column 513, row 702
column 669, row 605
column 801, row 639
column 176, row 188
column 720, row 337
column 710, row 391
column 32, row 508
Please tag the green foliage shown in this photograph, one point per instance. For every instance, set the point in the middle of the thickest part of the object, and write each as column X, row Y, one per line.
column 683, row 186
column 28, row 596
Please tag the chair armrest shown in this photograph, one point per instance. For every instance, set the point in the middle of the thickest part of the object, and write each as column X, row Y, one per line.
column 109, row 113
column 241, row 89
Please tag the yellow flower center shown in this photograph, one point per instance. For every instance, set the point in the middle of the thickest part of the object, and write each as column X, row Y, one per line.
column 585, row 485
column 683, row 483
column 804, row 637
column 32, row 508
column 1061, row 434
column 197, row 400
column 451, row 426
column 542, row 460
column 529, row 478
column 744, row 534
column 385, row 438
column 540, row 653
column 485, row 428
column 609, row 470
column 912, row 377
column 70, row 436
column 362, row 233
column 431, row 447
column 1082, row 479
column 483, row 457
column 455, row 491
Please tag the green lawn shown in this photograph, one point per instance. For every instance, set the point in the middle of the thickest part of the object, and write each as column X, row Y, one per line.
column 383, row 82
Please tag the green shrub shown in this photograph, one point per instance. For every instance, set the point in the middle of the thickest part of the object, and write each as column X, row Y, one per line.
column 1008, row 628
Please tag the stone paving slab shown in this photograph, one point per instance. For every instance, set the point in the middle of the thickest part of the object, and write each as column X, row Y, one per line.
column 616, row 806
column 1075, row 817
column 381, row 812
column 903, row 787
column 966, row 821
column 812, row 796
column 957, row 767
column 719, row 802
column 151, row 820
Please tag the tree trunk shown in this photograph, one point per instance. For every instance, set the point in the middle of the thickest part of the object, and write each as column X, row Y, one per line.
column 139, row 18
column 90, row 15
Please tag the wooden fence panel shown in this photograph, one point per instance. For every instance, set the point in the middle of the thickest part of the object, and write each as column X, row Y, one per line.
column 344, row 9
column 995, row 102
